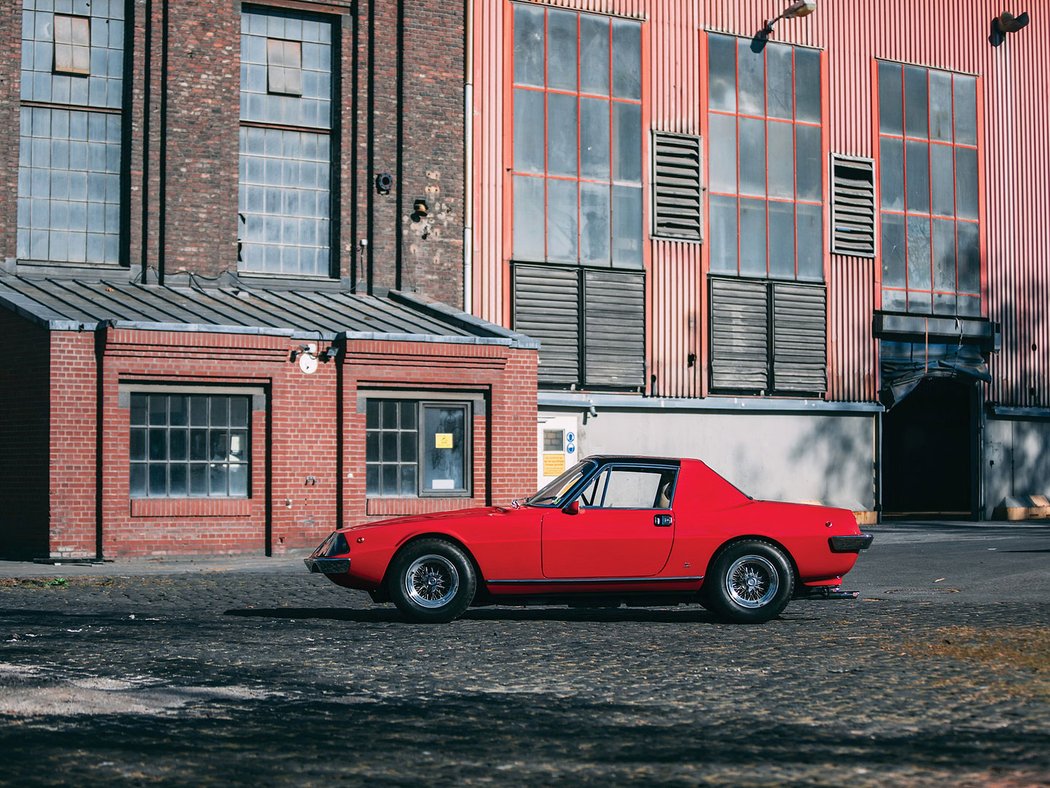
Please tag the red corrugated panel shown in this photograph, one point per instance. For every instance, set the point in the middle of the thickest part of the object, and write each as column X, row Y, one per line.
column 946, row 34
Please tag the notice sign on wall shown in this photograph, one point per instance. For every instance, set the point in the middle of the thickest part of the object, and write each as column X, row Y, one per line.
column 553, row 464
column 443, row 440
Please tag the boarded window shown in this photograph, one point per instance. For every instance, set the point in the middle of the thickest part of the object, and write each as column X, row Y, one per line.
column 677, row 191
column 590, row 323
column 284, row 67
column 852, row 206
column 72, row 44
column 768, row 337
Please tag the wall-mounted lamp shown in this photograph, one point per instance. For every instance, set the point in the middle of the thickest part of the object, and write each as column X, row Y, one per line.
column 420, row 210
column 1007, row 23
column 797, row 9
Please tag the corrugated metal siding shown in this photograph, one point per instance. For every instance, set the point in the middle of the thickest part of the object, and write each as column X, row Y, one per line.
column 942, row 34
column 614, row 321
column 799, row 338
column 739, row 335
column 546, row 307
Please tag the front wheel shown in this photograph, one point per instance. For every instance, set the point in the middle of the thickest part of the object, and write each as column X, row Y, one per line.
column 750, row 582
column 432, row 581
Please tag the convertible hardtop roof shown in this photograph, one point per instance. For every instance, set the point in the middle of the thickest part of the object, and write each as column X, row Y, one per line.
column 603, row 459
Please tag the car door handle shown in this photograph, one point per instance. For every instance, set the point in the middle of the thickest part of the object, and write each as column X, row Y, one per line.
column 662, row 520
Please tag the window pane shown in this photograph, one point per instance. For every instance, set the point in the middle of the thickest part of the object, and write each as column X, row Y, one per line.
column 723, row 153
column 238, row 481
column 528, row 45
column 916, row 104
column 891, row 174
column 372, row 447
column 941, row 163
column 198, row 411
column 594, row 230
column 627, row 227
column 594, row 54
column 217, row 474
column 137, row 481
column 969, row 238
column 752, row 79
column 890, row 98
column 782, row 240
column 177, row 407
column 389, row 448
column 561, row 49
column 158, row 480
column 807, row 84
column 372, row 414
column 408, row 415
column 723, row 232
column 444, row 451
column 561, row 134
column 970, row 306
column 137, row 445
column 752, row 156
column 752, row 237
column 893, row 250
column 917, row 173
column 781, row 160
column 627, row 130
column 809, row 177
column 239, row 446
column 158, row 444
column 528, row 218
column 372, row 487
column 966, row 183
column 965, row 90
column 198, row 479
column 238, row 412
column 409, row 448
column 158, row 409
column 627, row 59
column 594, row 138
column 895, row 300
column 561, row 220
column 178, row 478
column 138, row 409
column 780, row 85
column 810, row 243
column 944, row 255
column 219, row 449
column 918, row 253
column 408, row 480
column 178, row 445
column 721, row 86
column 940, row 106
column 220, row 411
column 528, row 131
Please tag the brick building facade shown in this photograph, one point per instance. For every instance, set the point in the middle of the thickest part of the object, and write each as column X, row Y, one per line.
column 229, row 235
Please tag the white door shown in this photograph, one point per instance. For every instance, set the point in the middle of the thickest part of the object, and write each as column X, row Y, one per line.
column 558, row 446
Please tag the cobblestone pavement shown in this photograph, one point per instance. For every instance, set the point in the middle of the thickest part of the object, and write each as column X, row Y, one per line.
column 196, row 674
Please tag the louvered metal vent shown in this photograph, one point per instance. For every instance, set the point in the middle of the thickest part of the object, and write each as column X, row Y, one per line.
column 799, row 338
column 739, row 335
column 852, row 206
column 677, row 194
column 547, row 308
column 614, row 317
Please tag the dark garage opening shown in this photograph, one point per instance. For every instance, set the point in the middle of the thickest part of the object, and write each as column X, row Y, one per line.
column 928, row 443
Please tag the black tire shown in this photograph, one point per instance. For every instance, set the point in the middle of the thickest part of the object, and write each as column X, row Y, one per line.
column 432, row 581
column 750, row 582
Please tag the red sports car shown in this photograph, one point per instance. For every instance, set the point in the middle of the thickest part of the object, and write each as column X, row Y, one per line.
column 609, row 530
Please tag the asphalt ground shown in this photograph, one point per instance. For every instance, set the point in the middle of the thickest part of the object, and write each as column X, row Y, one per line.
column 236, row 671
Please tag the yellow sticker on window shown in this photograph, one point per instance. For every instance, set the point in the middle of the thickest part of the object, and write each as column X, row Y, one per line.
column 553, row 464
column 443, row 440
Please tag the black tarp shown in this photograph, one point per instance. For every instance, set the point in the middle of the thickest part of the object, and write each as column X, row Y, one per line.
column 906, row 364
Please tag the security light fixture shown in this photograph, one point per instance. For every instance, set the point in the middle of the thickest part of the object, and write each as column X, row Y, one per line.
column 796, row 10
column 1008, row 23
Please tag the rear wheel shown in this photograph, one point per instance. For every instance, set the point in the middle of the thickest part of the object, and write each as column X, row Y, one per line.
column 432, row 580
column 750, row 582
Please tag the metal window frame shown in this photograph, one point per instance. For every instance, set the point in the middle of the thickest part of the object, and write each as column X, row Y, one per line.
column 211, row 394
column 467, row 402
column 72, row 46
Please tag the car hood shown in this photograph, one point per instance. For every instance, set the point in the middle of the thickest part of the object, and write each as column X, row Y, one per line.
column 473, row 513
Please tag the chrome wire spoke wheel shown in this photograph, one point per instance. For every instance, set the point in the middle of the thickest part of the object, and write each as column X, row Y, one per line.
column 752, row 581
column 431, row 581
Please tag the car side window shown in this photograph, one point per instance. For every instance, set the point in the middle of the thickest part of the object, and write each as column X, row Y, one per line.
column 630, row 488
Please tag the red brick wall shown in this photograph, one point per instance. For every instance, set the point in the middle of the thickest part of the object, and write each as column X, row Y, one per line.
column 23, row 436
column 297, row 437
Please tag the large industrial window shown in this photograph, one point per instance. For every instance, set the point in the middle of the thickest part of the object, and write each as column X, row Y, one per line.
column 577, row 153
column 69, row 160
column 930, row 226
column 576, row 183
column 416, row 448
column 286, row 161
column 190, row 446
column 765, row 168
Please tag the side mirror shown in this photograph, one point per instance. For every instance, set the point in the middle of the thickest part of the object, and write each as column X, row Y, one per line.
column 572, row 508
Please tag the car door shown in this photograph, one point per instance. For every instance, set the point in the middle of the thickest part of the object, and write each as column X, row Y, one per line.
column 621, row 525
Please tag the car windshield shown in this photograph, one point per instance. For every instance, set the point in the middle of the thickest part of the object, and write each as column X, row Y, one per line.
column 554, row 494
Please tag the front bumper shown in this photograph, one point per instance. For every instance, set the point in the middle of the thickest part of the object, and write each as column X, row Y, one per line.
column 850, row 544
column 328, row 566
